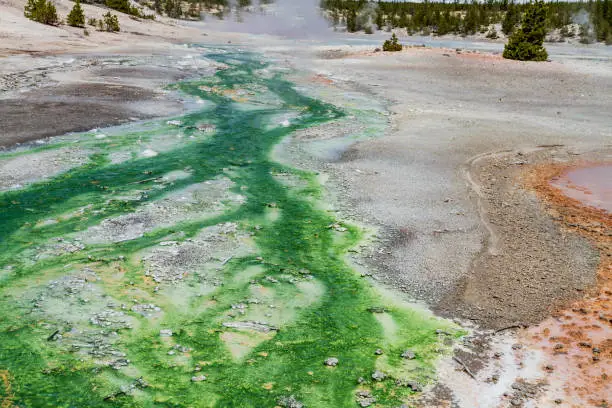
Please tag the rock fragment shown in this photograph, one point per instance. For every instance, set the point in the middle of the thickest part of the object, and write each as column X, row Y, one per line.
column 331, row 362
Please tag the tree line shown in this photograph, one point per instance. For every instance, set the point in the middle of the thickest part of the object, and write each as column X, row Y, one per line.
column 468, row 18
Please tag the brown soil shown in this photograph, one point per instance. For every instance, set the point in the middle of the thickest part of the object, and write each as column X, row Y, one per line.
column 54, row 118
column 86, row 99
column 543, row 266
column 578, row 339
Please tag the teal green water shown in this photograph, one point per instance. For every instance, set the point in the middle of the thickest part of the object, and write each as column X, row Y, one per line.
column 296, row 264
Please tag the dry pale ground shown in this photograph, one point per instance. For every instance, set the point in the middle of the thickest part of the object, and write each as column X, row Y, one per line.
column 461, row 231
column 57, row 76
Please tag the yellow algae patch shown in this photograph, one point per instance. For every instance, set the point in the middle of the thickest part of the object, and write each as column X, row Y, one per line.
column 6, row 400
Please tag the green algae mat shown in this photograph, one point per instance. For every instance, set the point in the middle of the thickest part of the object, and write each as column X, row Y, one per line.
column 174, row 263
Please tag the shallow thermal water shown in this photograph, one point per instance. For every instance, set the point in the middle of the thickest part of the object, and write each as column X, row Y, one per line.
column 175, row 264
column 590, row 185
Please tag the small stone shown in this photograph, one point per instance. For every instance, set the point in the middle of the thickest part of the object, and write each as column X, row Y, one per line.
column 141, row 383
column 165, row 333
column 415, row 386
column 171, row 352
column 516, row 402
column 558, row 401
column 517, row 346
column 558, row 346
column 365, row 399
column 331, row 362
column 360, row 380
column 366, row 402
column 290, row 402
column 378, row 352
column 378, row 375
column 198, row 378
column 409, row 355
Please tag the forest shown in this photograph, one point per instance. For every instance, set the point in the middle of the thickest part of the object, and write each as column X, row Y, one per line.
column 590, row 21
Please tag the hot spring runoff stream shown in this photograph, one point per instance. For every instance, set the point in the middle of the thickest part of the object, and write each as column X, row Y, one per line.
column 174, row 263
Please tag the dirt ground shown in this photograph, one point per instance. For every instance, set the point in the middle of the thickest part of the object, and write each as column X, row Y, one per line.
column 61, row 98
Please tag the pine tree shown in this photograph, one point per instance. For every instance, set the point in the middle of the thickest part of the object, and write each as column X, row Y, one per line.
column 174, row 9
column 157, row 5
column 392, row 44
column 379, row 18
column 351, row 21
column 510, row 19
column 110, row 24
column 76, row 18
column 41, row 11
column 526, row 42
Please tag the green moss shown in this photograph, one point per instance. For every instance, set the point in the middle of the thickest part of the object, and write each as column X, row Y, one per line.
column 321, row 304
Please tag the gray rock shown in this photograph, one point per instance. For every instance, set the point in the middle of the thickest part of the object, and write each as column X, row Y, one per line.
column 198, row 378
column 331, row 362
column 256, row 326
column 378, row 352
column 366, row 402
column 365, row 399
column 378, row 375
column 415, row 386
column 290, row 402
column 408, row 354
column 165, row 333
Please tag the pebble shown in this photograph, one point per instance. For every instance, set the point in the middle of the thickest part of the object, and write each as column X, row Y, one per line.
column 408, row 354
column 198, row 378
column 378, row 375
column 331, row 362
column 165, row 333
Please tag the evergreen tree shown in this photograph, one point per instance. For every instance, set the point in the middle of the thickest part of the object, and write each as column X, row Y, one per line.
column 157, row 5
column 174, row 9
column 41, row 11
column 526, row 42
column 351, row 21
column 76, row 18
column 379, row 18
column 109, row 22
column 392, row 44
column 510, row 19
